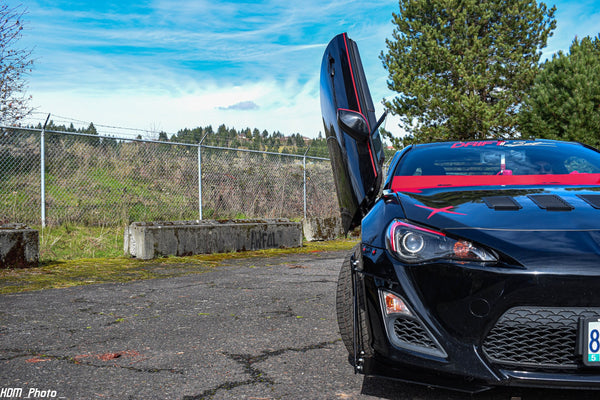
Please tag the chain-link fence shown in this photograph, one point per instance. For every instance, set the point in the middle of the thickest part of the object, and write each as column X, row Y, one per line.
column 102, row 180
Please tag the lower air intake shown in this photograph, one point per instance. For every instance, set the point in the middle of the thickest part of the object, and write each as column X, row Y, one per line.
column 409, row 333
column 537, row 338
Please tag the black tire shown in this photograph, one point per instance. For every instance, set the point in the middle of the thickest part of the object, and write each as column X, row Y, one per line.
column 345, row 307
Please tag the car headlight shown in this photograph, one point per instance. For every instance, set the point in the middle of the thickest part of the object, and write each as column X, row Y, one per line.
column 413, row 244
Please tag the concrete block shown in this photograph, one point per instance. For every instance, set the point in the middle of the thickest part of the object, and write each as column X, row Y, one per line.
column 19, row 246
column 322, row 228
column 147, row 240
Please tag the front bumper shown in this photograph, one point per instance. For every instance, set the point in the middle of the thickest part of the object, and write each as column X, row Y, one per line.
column 477, row 326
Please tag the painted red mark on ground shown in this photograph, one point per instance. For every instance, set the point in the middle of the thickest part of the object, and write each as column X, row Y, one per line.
column 109, row 356
column 37, row 360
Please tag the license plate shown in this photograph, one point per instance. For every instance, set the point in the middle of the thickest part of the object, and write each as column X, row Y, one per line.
column 591, row 342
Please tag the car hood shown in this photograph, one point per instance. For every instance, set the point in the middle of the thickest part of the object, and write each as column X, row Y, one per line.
column 537, row 226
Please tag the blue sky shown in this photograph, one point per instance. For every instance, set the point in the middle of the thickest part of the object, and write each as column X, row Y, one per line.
column 166, row 65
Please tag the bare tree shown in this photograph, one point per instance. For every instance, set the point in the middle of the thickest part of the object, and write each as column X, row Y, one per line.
column 15, row 63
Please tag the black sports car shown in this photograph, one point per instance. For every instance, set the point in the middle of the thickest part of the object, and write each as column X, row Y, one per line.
column 479, row 262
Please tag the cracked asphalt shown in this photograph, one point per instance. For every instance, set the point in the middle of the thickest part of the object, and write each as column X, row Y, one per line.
column 248, row 329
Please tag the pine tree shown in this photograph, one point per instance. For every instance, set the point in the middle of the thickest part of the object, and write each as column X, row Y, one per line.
column 462, row 67
column 564, row 102
column 163, row 137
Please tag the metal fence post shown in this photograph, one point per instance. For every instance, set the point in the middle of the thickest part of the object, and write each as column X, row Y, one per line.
column 200, row 175
column 200, row 181
column 43, row 173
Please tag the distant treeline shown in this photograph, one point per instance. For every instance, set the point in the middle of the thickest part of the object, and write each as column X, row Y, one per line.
column 251, row 139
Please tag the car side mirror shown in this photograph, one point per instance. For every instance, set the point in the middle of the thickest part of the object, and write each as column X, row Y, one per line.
column 354, row 123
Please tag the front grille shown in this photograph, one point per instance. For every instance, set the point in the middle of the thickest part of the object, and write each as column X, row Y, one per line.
column 540, row 338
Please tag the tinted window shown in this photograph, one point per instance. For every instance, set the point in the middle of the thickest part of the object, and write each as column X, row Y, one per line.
column 499, row 157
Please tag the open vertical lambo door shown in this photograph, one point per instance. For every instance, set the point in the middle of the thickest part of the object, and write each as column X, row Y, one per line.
column 351, row 129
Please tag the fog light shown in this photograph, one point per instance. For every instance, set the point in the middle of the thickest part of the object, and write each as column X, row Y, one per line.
column 394, row 304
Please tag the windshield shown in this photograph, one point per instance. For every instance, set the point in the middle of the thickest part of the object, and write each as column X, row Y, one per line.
column 500, row 158
column 498, row 163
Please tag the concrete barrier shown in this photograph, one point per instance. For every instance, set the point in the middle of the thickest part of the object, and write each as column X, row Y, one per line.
column 147, row 240
column 19, row 246
column 317, row 228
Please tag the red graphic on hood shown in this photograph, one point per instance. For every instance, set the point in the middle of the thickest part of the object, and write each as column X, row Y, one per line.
column 439, row 210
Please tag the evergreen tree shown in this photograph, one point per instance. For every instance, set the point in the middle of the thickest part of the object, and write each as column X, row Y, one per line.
column 564, row 102
column 91, row 130
column 220, row 137
column 462, row 67
column 196, row 135
column 163, row 137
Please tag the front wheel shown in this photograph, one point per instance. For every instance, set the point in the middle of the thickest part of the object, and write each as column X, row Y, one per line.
column 345, row 307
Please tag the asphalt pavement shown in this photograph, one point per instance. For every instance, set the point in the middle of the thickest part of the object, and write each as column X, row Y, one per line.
column 248, row 329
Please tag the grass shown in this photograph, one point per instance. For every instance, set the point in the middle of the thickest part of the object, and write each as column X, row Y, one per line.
column 68, row 260
column 70, row 242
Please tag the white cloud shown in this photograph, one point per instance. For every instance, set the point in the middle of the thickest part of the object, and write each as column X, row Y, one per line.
column 288, row 108
column 242, row 106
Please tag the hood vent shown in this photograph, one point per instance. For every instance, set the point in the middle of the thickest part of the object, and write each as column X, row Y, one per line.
column 550, row 202
column 592, row 199
column 502, row 203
